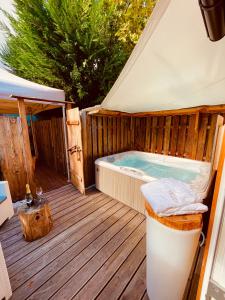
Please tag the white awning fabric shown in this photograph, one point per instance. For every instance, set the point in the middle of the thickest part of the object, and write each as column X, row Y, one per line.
column 14, row 85
column 173, row 66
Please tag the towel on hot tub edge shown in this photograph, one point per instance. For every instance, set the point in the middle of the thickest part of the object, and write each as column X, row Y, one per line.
column 168, row 196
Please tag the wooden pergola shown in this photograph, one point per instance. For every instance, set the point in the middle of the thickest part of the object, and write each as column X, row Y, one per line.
column 31, row 106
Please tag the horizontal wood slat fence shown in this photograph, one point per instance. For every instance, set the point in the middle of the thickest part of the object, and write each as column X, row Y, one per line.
column 50, row 143
column 189, row 136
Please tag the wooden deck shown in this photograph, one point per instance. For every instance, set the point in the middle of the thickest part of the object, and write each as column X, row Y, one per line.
column 96, row 250
column 48, row 178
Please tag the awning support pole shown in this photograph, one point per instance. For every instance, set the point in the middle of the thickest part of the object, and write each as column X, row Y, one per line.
column 66, row 143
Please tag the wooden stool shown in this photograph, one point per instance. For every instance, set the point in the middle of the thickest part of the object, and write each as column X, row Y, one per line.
column 36, row 221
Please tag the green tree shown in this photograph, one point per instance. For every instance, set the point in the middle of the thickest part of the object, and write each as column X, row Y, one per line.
column 77, row 45
column 133, row 17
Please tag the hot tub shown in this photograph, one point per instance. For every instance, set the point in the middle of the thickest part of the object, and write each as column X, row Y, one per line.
column 121, row 175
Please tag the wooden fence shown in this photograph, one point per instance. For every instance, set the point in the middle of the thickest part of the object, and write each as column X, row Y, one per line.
column 49, row 137
column 50, row 145
column 12, row 164
column 183, row 136
column 175, row 135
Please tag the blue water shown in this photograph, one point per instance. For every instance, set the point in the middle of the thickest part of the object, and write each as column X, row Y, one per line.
column 156, row 170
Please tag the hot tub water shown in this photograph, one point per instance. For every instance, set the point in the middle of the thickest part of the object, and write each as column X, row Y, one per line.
column 121, row 175
column 154, row 169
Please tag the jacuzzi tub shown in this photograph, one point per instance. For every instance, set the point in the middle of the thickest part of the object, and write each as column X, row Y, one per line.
column 121, row 175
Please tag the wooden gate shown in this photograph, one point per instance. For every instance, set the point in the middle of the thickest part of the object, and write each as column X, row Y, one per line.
column 75, row 148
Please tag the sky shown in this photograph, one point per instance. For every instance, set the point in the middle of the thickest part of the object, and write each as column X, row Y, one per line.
column 8, row 6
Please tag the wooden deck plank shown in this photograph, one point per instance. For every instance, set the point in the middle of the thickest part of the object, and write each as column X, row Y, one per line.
column 137, row 286
column 48, row 178
column 82, row 236
column 57, row 211
column 78, row 263
column 61, row 188
column 61, row 259
column 56, row 197
column 96, row 217
column 47, row 245
column 145, row 297
column 120, row 246
column 81, row 212
column 121, row 277
column 96, row 241
column 78, row 206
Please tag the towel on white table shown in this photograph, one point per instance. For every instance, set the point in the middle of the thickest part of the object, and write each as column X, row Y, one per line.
column 168, row 196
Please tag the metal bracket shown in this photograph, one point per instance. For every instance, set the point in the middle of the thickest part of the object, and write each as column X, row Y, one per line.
column 215, row 291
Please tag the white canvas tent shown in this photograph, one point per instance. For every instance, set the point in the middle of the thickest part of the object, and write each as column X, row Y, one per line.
column 14, row 85
column 23, row 97
column 36, row 96
column 173, row 66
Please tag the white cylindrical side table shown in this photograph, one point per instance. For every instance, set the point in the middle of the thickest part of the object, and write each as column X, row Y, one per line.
column 171, row 246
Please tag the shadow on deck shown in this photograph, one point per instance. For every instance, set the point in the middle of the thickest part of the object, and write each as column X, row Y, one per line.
column 49, row 179
column 96, row 250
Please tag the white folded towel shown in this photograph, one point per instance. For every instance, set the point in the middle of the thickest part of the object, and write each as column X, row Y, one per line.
column 168, row 196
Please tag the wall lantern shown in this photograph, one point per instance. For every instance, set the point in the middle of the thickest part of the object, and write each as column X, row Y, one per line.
column 213, row 12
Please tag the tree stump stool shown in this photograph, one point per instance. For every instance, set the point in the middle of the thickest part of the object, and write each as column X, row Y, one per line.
column 36, row 221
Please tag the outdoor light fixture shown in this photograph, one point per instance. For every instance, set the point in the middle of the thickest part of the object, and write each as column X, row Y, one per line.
column 213, row 12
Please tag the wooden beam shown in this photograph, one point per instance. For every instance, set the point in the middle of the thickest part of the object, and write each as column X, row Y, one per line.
column 33, row 99
column 183, row 111
column 211, row 219
column 11, row 107
column 35, row 109
column 28, row 160
column 105, row 112
column 8, row 111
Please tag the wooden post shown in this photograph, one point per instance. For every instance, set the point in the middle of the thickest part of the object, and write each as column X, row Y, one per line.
column 68, row 105
column 211, row 220
column 34, row 136
column 28, row 160
column 66, row 143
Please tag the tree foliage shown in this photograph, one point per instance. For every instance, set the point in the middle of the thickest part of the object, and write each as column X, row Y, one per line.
column 77, row 45
column 133, row 17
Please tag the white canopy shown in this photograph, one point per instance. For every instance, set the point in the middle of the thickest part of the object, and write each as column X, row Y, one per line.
column 16, row 86
column 173, row 66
